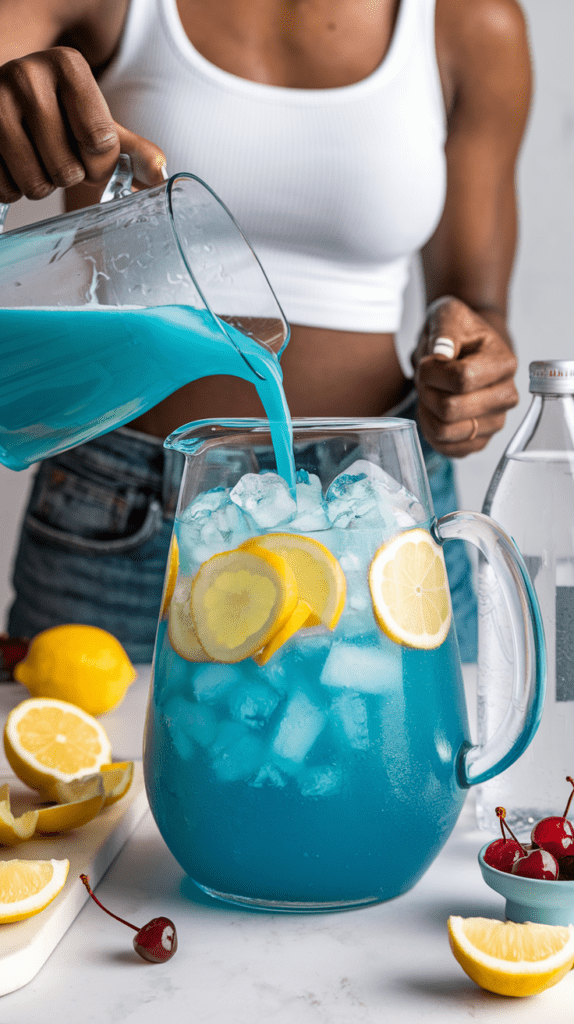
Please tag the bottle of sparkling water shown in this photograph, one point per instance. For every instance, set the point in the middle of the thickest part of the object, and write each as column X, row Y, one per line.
column 531, row 495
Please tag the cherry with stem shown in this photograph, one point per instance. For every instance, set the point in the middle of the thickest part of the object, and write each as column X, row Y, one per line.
column 155, row 942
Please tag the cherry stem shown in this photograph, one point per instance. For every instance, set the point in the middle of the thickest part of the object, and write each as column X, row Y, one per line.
column 501, row 814
column 571, row 781
column 86, row 882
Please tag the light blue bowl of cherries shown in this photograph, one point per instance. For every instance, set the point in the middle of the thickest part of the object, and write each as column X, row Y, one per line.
column 537, row 878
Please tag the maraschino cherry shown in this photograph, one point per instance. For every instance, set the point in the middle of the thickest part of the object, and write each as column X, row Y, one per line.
column 156, row 941
column 503, row 853
column 556, row 834
column 529, row 864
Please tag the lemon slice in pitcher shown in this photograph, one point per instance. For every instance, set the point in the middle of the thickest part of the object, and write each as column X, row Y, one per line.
column 320, row 580
column 409, row 590
column 239, row 600
column 171, row 577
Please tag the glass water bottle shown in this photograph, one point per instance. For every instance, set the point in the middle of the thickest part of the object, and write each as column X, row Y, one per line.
column 531, row 496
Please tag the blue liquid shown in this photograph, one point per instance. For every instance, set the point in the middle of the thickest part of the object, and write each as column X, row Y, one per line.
column 357, row 819
column 71, row 375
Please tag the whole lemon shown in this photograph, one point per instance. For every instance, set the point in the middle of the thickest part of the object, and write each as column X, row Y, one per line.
column 83, row 665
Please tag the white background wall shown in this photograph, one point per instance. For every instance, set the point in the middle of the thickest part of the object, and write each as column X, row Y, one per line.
column 543, row 286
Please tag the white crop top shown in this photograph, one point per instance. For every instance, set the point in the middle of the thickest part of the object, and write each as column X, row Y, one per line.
column 335, row 189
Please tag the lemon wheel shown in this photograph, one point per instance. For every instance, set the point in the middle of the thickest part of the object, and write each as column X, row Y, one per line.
column 511, row 959
column 180, row 627
column 239, row 600
column 409, row 590
column 171, row 576
column 320, row 580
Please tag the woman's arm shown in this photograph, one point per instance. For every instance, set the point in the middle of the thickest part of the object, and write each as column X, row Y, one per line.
column 485, row 64
column 55, row 127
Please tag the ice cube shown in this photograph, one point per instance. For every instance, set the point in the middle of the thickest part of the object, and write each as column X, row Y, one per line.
column 311, row 507
column 369, row 667
column 348, row 715
column 269, row 775
column 208, row 502
column 238, row 752
column 298, row 729
column 195, row 721
column 266, row 498
column 211, row 682
column 253, row 703
column 364, row 494
column 321, row 781
column 207, row 532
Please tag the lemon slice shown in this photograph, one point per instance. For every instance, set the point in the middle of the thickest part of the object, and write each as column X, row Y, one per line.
column 49, row 741
column 117, row 779
column 239, row 600
column 28, row 886
column 320, row 580
column 14, row 830
column 511, row 959
column 409, row 590
column 170, row 581
column 180, row 627
column 299, row 617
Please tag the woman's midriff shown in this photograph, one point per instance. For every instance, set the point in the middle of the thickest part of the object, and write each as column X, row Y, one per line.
column 325, row 373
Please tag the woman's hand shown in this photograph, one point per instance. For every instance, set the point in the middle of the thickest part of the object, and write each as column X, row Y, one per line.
column 56, row 129
column 465, row 391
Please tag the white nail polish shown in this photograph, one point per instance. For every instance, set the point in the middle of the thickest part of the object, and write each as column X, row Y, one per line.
column 163, row 171
column 443, row 347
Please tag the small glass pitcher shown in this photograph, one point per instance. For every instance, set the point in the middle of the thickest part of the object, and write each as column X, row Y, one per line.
column 321, row 762
column 106, row 311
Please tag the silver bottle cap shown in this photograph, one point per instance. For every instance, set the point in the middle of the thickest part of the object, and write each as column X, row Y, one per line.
column 552, row 377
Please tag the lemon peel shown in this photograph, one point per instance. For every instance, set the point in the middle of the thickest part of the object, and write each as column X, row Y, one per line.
column 14, row 830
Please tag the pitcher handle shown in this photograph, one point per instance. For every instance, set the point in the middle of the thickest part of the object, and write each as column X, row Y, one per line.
column 482, row 761
column 118, row 187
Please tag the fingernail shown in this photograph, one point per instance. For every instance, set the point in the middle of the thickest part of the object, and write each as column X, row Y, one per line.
column 163, row 171
column 443, row 347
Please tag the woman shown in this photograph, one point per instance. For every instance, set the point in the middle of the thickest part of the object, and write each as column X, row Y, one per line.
column 344, row 138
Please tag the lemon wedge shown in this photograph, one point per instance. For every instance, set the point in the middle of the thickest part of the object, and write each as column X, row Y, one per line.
column 409, row 590
column 84, row 665
column 28, row 886
column 117, row 779
column 239, row 600
column 171, row 577
column 66, row 817
column 298, row 619
column 511, row 959
column 50, row 741
column 320, row 580
column 14, row 830
column 180, row 627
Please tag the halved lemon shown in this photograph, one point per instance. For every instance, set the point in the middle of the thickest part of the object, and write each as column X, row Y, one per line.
column 320, row 580
column 298, row 619
column 28, row 886
column 409, row 590
column 49, row 741
column 239, row 600
column 180, row 627
column 171, row 577
column 14, row 830
column 511, row 959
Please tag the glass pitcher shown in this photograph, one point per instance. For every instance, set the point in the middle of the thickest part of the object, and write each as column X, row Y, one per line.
column 106, row 311
column 306, row 744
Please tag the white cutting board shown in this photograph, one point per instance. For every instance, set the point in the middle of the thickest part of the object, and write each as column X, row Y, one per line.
column 26, row 945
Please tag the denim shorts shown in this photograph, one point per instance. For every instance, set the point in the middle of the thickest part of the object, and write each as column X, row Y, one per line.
column 94, row 541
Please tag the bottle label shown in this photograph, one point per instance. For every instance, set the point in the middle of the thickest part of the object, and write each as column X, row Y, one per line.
column 564, row 643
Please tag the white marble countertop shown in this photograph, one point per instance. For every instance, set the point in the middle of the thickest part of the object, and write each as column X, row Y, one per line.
column 387, row 964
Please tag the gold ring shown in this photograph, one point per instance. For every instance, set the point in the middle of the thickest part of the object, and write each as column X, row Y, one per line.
column 474, row 430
